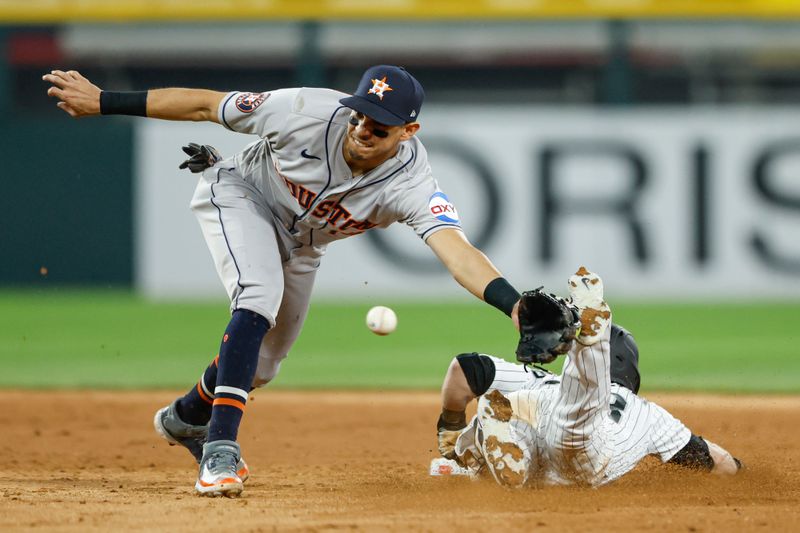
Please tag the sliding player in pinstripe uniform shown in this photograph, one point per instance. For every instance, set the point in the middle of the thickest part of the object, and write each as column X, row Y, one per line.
column 586, row 426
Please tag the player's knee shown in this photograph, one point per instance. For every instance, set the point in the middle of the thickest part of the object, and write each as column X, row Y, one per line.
column 252, row 299
column 624, row 359
column 267, row 370
column 478, row 370
column 264, row 377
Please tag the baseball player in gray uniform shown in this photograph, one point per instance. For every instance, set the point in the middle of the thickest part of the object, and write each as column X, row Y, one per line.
column 325, row 166
column 587, row 426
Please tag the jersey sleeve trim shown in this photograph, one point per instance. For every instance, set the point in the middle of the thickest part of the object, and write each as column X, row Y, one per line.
column 430, row 231
column 221, row 110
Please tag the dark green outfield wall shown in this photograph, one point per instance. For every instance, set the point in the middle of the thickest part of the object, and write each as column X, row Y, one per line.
column 66, row 202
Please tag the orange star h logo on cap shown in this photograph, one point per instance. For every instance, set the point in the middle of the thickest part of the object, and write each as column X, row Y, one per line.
column 379, row 87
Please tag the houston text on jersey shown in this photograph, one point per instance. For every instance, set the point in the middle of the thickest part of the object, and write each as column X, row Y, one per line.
column 330, row 210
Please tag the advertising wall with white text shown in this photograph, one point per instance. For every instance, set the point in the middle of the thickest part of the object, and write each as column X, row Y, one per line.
column 663, row 203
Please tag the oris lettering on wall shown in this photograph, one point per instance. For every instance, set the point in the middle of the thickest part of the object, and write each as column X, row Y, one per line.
column 676, row 204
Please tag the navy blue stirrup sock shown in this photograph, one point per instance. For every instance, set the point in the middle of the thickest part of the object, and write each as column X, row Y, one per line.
column 194, row 407
column 238, row 359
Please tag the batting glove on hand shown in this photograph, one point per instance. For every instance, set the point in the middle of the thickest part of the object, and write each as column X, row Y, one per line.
column 201, row 157
column 447, row 433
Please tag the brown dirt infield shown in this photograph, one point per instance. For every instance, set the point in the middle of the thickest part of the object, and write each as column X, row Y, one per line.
column 90, row 461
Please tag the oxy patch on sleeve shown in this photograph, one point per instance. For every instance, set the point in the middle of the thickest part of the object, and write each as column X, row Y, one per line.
column 442, row 209
column 248, row 102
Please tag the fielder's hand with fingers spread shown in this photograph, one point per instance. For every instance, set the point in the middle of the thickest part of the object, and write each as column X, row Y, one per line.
column 77, row 95
column 201, row 157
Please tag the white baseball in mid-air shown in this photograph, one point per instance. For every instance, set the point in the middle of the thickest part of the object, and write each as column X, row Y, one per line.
column 381, row 320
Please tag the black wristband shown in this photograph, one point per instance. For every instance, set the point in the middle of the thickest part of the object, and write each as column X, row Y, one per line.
column 500, row 294
column 123, row 103
column 451, row 420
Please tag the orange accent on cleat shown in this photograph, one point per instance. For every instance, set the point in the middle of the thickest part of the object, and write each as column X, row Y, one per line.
column 225, row 481
column 218, row 475
column 242, row 470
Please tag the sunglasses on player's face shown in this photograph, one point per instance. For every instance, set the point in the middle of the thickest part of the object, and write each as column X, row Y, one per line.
column 377, row 128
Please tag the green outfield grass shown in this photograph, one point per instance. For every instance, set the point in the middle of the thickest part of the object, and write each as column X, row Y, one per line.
column 114, row 339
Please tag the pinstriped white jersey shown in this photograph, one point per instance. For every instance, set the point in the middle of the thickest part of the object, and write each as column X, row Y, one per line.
column 298, row 168
column 579, row 427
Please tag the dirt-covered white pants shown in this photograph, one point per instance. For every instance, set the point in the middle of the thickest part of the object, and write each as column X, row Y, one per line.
column 582, row 430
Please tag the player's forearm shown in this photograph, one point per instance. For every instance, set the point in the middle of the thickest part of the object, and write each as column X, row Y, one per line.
column 474, row 271
column 79, row 97
column 195, row 105
column 478, row 275
column 468, row 265
column 456, row 393
column 184, row 104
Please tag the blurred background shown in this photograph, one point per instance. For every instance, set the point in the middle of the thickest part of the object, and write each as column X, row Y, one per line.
column 656, row 141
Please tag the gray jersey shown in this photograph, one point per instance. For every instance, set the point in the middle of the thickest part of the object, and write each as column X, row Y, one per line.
column 268, row 212
column 298, row 167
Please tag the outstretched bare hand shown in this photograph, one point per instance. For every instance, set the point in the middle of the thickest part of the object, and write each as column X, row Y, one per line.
column 77, row 95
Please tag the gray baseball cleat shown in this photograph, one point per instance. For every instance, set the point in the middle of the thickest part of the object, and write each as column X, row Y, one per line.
column 175, row 431
column 218, row 470
column 172, row 429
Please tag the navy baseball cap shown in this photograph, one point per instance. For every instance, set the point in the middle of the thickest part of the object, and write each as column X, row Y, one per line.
column 387, row 94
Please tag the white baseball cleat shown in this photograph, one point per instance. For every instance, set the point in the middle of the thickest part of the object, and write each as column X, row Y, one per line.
column 586, row 293
column 504, row 458
column 442, row 466
column 218, row 470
